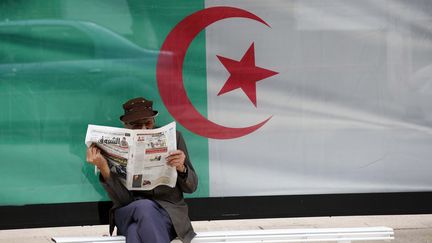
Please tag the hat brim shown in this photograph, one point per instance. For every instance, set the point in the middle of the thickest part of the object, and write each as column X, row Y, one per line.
column 139, row 115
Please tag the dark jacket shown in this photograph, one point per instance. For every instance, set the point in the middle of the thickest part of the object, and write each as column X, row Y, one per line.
column 171, row 199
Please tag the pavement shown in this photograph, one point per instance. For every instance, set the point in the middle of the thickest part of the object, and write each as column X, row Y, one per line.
column 407, row 228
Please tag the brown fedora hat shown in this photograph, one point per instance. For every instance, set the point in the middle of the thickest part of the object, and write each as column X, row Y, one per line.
column 136, row 109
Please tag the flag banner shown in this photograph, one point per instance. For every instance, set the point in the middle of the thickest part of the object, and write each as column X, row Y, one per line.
column 273, row 97
column 66, row 64
column 349, row 107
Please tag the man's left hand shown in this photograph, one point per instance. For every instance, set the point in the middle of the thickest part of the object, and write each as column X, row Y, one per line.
column 176, row 159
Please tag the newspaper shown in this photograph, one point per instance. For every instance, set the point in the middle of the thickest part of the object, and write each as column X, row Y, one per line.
column 137, row 156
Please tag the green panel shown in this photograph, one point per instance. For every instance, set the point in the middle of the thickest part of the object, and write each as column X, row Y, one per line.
column 65, row 64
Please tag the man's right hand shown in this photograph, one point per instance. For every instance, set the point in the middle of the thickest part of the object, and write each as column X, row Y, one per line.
column 95, row 157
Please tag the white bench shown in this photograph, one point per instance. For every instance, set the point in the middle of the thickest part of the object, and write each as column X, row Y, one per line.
column 340, row 235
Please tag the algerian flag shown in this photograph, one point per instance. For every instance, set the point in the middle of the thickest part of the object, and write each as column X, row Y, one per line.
column 283, row 97
column 332, row 95
column 350, row 105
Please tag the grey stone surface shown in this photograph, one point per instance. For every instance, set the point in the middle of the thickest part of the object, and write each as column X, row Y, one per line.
column 408, row 228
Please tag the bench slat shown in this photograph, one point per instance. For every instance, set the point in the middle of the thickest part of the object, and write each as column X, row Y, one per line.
column 300, row 231
column 269, row 236
column 100, row 239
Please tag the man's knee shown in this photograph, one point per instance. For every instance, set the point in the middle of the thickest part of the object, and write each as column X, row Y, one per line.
column 145, row 208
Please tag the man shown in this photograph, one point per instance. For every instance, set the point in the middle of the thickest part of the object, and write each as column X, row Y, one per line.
column 158, row 215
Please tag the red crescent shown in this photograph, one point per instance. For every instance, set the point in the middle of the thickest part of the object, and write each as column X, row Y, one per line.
column 169, row 73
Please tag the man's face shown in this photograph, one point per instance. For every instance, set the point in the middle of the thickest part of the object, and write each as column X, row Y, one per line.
column 146, row 123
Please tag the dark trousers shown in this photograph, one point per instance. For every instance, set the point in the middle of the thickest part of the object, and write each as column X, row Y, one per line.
column 144, row 221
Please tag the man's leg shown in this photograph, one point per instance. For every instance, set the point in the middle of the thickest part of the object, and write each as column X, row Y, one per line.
column 132, row 234
column 148, row 219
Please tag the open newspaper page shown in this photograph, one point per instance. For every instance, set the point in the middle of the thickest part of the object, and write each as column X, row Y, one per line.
column 149, row 166
column 137, row 156
column 115, row 144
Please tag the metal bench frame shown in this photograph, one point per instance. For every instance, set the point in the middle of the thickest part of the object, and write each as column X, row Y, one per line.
column 339, row 235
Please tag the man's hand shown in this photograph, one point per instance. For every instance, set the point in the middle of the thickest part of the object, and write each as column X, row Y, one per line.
column 95, row 157
column 176, row 159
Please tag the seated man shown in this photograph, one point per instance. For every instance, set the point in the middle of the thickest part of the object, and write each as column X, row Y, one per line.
column 158, row 215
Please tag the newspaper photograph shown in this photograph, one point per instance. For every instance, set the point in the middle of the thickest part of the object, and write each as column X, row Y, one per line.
column 138, row 157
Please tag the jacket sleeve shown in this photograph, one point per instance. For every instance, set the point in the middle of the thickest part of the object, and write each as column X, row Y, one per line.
column 188, row 183
column 120, row 196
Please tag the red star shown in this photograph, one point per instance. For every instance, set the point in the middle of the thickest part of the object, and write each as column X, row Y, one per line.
column 244, row 74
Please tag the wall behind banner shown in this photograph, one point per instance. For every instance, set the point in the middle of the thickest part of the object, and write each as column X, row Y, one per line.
column 65, row 64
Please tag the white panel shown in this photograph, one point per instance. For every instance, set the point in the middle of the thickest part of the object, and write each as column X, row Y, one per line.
column 351, row 104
